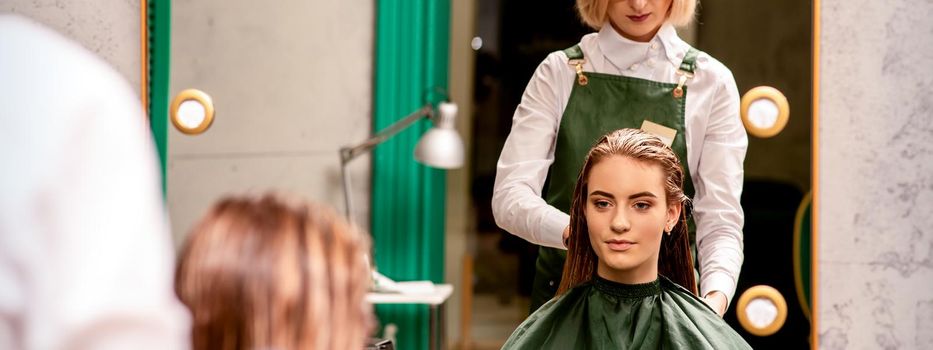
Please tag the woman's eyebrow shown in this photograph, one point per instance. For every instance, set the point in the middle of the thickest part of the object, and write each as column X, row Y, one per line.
column 602, row 193
column 642, row 194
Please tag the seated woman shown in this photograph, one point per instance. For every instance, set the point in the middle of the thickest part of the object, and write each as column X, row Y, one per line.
column 263, row 273
column 628, row 282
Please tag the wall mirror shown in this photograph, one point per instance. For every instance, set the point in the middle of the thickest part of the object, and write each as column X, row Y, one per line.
column 287, row 105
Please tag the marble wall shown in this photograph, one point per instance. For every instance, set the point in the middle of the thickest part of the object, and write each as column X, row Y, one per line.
column 876, row 175
column 108, row 28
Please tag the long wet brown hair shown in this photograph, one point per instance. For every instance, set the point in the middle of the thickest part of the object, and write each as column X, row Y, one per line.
column 674, row 260
column 268, row 273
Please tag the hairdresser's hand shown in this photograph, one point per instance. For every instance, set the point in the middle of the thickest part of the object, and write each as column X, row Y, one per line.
column 717, row 301
column 566, row 236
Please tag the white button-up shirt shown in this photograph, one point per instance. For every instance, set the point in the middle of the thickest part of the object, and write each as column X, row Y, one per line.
column 716, row 145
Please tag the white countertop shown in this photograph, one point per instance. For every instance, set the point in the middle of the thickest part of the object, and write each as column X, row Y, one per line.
column 437, row 296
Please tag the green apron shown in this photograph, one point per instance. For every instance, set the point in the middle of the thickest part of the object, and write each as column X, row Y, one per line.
column 600, row 103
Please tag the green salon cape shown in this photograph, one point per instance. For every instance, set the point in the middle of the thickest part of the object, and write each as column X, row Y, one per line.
column 602, row 314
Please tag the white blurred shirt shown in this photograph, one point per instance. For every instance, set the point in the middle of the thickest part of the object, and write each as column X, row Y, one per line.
column 716, row 145
column 86, row 258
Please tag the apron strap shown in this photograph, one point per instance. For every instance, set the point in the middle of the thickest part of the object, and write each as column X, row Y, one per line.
column 575, row 59
column 685, row 72
column 574, row 52
column 688, row 65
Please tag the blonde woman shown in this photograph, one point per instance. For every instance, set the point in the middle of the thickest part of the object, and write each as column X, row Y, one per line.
column 628, row 282
column 635, row 72
column 265, row 273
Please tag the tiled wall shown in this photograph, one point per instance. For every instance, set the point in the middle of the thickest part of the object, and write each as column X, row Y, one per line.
column 876, row 175
column 108, row 28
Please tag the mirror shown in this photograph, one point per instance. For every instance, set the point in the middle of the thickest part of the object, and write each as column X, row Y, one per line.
column 290, row 101
column 192, row 112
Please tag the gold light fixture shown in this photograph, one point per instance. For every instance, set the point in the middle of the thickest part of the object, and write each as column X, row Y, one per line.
column 764, row 111
column 192, row 112
column 761, row 310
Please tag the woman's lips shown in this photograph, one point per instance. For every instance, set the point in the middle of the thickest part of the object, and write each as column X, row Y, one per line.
column 640, row 18
column 619, row 245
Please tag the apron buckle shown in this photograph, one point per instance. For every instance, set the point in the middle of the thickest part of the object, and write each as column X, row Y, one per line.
column 578, row 66
column 684, row 76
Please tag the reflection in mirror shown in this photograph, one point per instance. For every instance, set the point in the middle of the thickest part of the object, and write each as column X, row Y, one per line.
column 762, row 310
column 764, row 111
column 765, row 42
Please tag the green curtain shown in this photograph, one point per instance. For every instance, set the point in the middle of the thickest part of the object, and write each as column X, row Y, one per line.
column 160, row 35
column 408, row 198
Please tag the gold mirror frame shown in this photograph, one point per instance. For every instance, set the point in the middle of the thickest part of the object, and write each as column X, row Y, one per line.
column 767, row 293
column 144, row 54
column 776, row 97
column 814, row 181
column 199, row 97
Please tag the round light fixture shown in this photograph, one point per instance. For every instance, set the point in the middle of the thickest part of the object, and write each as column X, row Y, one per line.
column 192, row 112
column 764, row 111
column 761, row 310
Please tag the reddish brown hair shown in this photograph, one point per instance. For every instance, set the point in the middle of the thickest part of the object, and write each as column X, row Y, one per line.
column 265, row 273
column 674, row 261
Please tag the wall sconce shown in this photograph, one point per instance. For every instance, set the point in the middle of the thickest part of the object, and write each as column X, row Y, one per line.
column 192, row 111
column 761, row 310
column 764, row 111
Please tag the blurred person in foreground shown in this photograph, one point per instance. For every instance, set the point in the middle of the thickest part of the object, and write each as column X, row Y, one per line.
column 263, row 272
column 85, row 251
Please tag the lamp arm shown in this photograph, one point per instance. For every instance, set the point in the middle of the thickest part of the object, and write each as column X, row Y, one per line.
column 348, row 153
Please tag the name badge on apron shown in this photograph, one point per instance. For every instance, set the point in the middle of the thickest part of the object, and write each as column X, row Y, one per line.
column 664, row 133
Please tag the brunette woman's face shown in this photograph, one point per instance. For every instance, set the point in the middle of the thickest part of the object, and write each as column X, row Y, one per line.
column 638, row 20
column 626, row 215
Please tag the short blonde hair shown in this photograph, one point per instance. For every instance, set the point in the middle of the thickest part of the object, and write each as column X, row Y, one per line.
column 593, row 12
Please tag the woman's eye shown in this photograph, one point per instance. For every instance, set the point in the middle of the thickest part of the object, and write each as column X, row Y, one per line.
column 642, row 206
column 601, row 204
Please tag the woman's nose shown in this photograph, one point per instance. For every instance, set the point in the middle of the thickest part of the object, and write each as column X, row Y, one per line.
column 620, row 223
column 637, row 5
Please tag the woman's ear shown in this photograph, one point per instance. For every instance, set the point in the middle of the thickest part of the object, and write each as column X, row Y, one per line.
column 673, row 213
